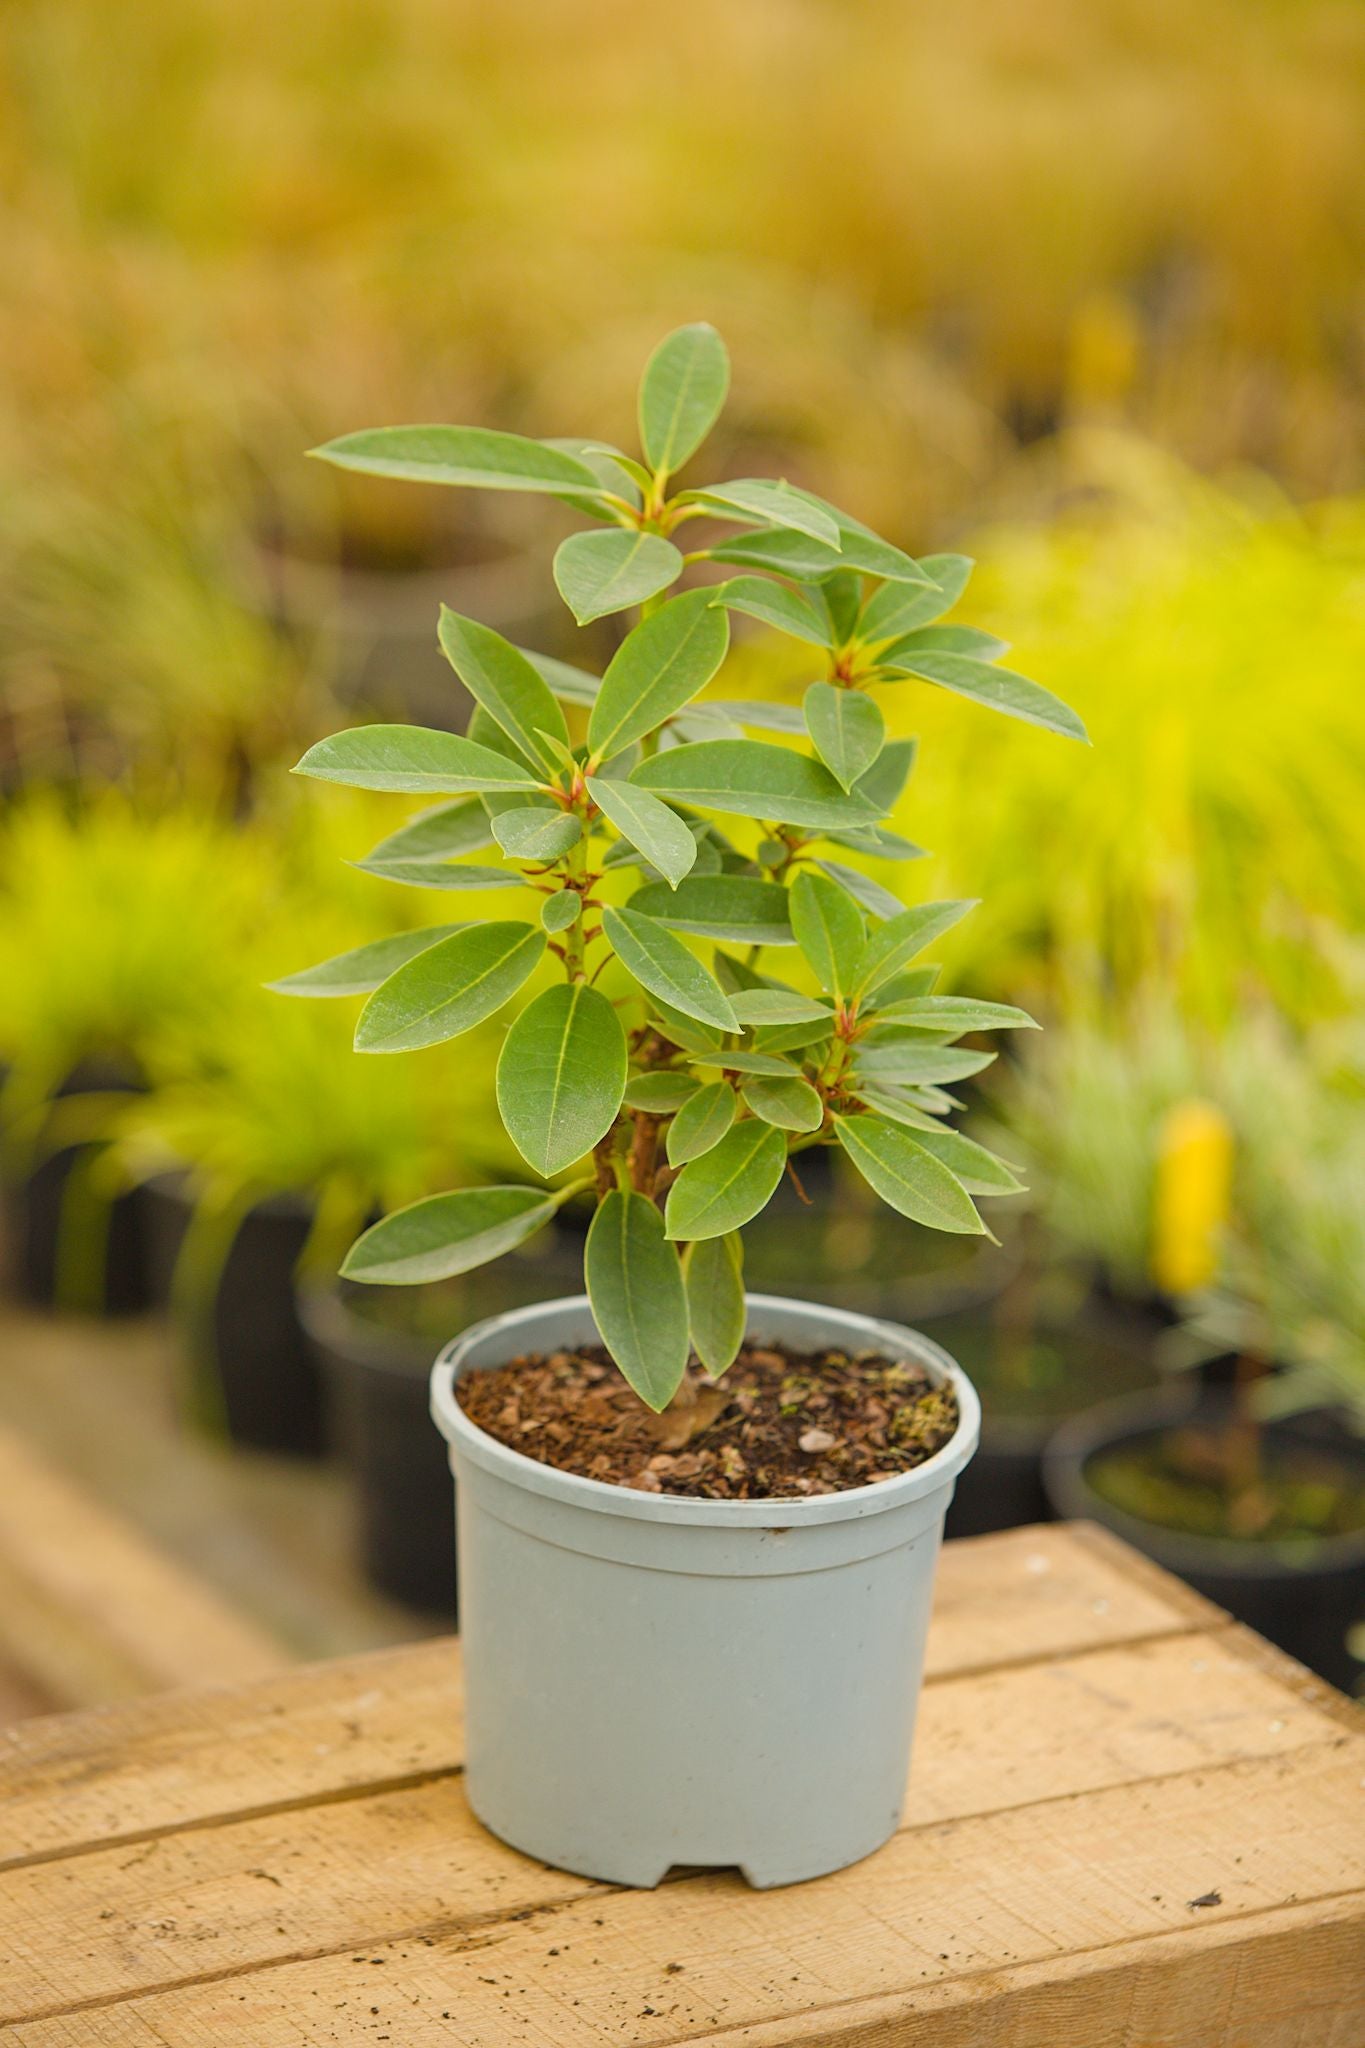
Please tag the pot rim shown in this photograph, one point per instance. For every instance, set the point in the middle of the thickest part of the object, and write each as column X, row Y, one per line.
column 603, row 1498
column 1110, row 1423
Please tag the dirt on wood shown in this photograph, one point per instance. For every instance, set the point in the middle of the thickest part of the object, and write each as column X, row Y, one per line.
column 780, row 1424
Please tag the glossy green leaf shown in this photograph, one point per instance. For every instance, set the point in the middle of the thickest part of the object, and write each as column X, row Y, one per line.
column 919, row 1063
column 448, row 1234
column 979, row 1171
column 841, row 598
column 999, row 688
column 600, row 573
column 572, row 685
column 788, row 1102
column 847, row 729
column 663, row 965
column 702, row 1122
column 537, row 835
column 662, row 664
column 895, row 1105
column 364, row 968
column 912, row 982
column 871, row 895
column 829, row 929
column 737, row 907
column 866, row 551
column 713, row 1272
column 745, row 1062
column 441, row 833
column 760, row 598
column 769, row 717
column 508, row 686
column 635, row 1285
column 896, row 609
column 955, row 1014
column 727, row 1186
column 681, row 394
column 413, row 758
column 906, row 1176
column 881, row 785
column 894, row 944
column 479, row 458
column 435, row 874
column 877, row 840
column 687, row 1032
column 658, row 832
column 943, row 640
column 777, row 1038
column 561, row 910
column 606, row 464
column 561, row 1075
column 777, row 1006
column 660, row 1094
column 775, row 503
column 754, row 781
column 449, row 987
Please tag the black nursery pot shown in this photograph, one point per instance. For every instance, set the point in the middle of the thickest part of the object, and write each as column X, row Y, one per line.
column 1305, row 1596
column 1092, row 1350
column 43, row 1214
column 376, row 1380
column 246, row 1338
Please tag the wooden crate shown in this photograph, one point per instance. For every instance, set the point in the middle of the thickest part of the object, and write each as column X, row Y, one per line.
column 1130, row 1825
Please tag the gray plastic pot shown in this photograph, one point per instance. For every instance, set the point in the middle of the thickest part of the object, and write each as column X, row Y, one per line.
column 653, row 1680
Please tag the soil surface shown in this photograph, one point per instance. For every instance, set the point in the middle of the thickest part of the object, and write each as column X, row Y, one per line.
column 778, row 1426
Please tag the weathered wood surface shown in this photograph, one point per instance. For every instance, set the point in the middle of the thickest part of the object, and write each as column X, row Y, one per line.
column 1130, row 1825
column 89, row 1611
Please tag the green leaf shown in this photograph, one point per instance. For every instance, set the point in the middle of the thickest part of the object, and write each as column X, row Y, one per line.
column 906, row 1176
column 847, row 728
column 943, row 640
column 728, row 1185
column 896, row 609
column 561, row 910
column 635, row 1285
column 894, row 944
column 999, row 688
column 661, row 665
column 829, row 929
column 652, row 827
column 364, row 968
column 448, row 1234
column 778, row 1006
column 881, row 784
column 754, row 781
column 776, row 605
column 480, row 458
column 413, row 758
column 758, row 711
column 775, row 1038
column 561, row 1075
column 914, row 982
column 438, row 834
column 537, row 835
column 877, row 840
column 508, row 686
column 782, row 552
column 871, row 895
column 660, row 1094
column 607, row 464
column 681, row 394
column 599, row 573
column 435, row 874
column 702, row 1122
column 888, row 1103
column 573, row 685
column 687, row 1032
column 979, row 1171
column 918, row 1063
column 663, row 965
column 714, row 1275
column 955, row 1014
column 720, row 907
column 790, row 1104
column 745, row 1062
column 449, row 987
column 842, row 597
column 864, row 550
column 774, row 503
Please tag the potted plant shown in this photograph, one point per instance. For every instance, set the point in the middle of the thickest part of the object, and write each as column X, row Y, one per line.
column 697, row 1529
column 1248, row 1479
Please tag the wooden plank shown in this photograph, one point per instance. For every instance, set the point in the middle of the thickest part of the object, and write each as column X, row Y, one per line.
column 89, row 1611
column 945, row 1915
column 315, row 1878
column 373, row 1720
